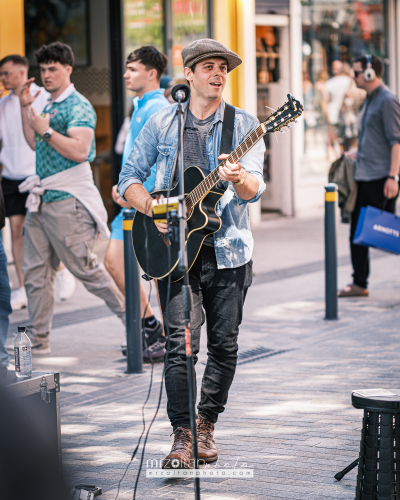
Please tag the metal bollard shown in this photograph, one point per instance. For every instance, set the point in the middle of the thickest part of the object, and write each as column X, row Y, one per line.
column 132, row 299
column 331, row 297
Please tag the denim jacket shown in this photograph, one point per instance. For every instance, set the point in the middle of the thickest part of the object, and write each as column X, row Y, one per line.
column 156, row 144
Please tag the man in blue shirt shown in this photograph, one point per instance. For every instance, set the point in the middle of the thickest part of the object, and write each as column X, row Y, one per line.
column 144, row 69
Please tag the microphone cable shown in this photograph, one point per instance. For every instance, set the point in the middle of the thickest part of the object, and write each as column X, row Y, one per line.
column 166, row 325
column 144, row 404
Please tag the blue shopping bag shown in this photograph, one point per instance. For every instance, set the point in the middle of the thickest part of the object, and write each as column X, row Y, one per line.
column 379, row 229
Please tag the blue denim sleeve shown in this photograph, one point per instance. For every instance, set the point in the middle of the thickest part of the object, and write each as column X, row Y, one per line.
column 253, row 163
column 142, row 157
column 150, row 183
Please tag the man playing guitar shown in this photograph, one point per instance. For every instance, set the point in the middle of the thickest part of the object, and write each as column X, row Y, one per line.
column 222, row 272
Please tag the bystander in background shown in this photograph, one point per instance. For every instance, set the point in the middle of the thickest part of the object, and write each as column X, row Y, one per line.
column 18, row 162
column 5, row 292
column 377, row 159
column 144, row 69
column 66, row 214
column 333, row 95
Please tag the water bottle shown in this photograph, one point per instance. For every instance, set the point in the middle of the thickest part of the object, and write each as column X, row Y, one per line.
column 23, row 355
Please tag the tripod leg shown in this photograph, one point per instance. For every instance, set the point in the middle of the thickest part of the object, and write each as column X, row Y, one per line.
column 340, row 475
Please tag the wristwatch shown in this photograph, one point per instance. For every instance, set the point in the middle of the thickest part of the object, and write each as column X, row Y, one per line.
column 394, row 177
column 239, row 183
column 47, row 135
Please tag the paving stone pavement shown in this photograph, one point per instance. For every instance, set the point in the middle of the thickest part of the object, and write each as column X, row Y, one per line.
column 289, row 415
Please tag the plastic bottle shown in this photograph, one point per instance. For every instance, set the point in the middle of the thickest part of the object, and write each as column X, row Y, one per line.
column 23, row 355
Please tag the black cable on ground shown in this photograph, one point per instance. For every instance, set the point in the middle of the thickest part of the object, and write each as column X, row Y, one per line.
column 144, row 404
column 166, row 325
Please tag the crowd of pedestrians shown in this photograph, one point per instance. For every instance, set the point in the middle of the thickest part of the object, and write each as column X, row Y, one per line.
column 56, row 213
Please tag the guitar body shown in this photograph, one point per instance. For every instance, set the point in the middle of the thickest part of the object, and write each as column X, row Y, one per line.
column 201, row 222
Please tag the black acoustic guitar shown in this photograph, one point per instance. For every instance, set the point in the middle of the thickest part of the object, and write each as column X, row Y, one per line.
column 202, row 195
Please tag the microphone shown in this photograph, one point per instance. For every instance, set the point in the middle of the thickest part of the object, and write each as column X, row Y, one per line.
column 180, row 93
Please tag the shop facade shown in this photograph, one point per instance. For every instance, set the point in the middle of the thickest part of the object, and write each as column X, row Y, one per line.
column 299, row 46
column 286, row 46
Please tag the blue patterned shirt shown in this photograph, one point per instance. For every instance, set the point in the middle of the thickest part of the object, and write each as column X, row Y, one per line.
column 70, row 109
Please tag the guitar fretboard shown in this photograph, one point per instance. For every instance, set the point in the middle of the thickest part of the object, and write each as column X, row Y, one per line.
column 212, row 179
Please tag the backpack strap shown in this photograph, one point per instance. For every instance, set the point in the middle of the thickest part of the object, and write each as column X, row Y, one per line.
column 227, row 130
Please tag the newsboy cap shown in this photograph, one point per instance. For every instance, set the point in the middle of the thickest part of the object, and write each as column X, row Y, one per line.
column 206, row 48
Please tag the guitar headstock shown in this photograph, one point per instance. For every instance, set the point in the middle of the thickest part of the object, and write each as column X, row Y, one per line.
column 286, row 114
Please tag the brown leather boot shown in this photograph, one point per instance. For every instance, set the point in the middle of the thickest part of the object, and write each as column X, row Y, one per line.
column 181, row 452
column 205, row 440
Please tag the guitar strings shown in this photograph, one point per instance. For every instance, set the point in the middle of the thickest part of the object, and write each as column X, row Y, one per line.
column 206, row 184
column 212, row 179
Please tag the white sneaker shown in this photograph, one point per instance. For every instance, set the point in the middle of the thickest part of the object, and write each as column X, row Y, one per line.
column 66, row 284
column 19, row 300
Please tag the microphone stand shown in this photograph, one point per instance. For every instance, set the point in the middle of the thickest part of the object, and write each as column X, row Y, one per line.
column 187, row 298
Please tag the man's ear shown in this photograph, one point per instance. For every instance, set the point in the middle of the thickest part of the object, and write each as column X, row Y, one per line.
column 152, row 74
column 188, row 74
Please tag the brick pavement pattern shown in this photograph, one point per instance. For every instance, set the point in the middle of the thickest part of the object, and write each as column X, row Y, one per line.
column 289, row 415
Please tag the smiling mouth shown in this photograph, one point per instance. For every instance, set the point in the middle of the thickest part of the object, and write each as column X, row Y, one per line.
column 216, row 84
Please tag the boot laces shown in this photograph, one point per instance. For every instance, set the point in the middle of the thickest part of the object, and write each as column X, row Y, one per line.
column 204, row 429
column 182, row 439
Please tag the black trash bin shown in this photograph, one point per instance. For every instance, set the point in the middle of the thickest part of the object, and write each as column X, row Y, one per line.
column 378, row 475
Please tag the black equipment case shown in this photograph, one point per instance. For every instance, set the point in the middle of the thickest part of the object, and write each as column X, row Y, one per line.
column 40, row 396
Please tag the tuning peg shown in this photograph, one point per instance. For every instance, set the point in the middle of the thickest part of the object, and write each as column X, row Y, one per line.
column 289, row 126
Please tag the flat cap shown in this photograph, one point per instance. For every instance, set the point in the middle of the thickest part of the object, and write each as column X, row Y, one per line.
column 206, row 48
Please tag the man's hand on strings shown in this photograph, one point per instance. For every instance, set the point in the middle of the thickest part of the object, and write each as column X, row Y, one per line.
column 231, row 172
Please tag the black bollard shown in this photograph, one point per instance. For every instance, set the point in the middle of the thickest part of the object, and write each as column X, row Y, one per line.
column 132, row 299
column 331, row 297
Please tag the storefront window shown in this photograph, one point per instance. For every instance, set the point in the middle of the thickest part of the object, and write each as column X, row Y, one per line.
column 334, row 32
column 268, row 72
column 144, row 24
column 189, row 23
column 62, row 21
column 272, row 6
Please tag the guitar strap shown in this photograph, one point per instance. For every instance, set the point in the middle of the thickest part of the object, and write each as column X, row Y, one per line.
column 227, row 130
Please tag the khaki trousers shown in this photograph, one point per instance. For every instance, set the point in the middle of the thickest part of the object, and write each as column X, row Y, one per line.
column 63, row 230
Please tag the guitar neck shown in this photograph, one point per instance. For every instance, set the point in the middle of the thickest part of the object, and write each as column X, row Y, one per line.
column 213, row 178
